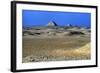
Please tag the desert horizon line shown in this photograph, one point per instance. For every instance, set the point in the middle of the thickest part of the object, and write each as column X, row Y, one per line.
column 65, row 25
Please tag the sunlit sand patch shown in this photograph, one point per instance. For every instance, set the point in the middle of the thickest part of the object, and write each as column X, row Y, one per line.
column 82, row 51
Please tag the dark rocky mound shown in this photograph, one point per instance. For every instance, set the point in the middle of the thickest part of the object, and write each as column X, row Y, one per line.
column 76, row 33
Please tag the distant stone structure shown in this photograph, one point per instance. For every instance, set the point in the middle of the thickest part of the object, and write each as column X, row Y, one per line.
column 69, row 25
column 52, row 24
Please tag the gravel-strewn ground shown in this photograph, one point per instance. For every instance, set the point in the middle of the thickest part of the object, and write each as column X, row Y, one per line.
column 56, row 44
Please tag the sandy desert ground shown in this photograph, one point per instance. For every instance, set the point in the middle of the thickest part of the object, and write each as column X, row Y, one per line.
column 56, row 44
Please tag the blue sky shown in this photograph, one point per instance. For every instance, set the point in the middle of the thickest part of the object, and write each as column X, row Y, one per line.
column 42, row 18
